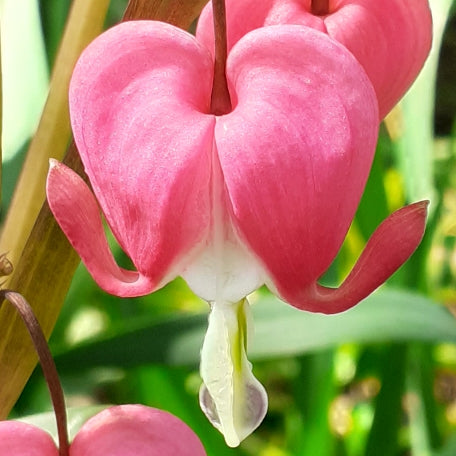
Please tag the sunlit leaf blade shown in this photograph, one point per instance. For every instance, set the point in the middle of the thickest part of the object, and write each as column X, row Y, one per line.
column 384, row 316
column 415, row 133
column 280, row 330
column 314, row 390
column 25, row 72
column 53, row 134
column 420, row 440
column 384, row 435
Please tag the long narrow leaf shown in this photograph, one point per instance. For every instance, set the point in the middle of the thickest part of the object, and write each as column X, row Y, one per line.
column 415, row 140
column 280, row 330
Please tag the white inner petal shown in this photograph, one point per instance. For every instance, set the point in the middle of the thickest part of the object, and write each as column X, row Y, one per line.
column 223, row 270
column 226, row 274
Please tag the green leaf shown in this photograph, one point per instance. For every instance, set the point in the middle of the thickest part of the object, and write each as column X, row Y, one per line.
column 417, row 382
column 280, row 330
column 416, row 143
column 77, row 416
column 25, row 73
column 384, row 436
column 373, row 208
column 308, row 427
column 449, row 449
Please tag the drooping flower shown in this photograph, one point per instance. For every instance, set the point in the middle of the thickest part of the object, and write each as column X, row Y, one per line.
column 390, row 38
column 124, row 430
column 262, row 194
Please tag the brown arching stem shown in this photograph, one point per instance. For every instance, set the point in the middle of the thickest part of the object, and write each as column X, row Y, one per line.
column 47, row 364
column 220, row 100
column 320, row 7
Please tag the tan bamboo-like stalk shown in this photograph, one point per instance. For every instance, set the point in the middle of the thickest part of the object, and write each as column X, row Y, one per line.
column 1, row 117
column 53, row 134
column 180, row 13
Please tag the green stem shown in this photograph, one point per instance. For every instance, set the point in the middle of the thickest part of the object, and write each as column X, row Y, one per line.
column 47, row 364
column 220, row 101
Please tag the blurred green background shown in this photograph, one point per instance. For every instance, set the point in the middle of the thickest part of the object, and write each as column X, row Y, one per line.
column 379, row 379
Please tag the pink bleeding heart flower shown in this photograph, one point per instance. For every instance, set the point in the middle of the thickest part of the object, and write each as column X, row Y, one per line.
column 124, row 430
column 262, row 194
column 390, row 38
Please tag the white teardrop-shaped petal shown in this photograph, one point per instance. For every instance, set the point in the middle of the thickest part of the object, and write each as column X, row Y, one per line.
column 233, row 400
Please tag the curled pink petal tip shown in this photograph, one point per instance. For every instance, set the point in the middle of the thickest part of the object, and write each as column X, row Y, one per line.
column 78, row 214
column 392, row 243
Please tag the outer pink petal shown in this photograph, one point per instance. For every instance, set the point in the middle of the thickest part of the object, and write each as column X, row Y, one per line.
column 390, row 38
column 138, row 101
column 135, row 430
column 20, row 439
column 297, row 149
column 78, row 214
column 388, row 248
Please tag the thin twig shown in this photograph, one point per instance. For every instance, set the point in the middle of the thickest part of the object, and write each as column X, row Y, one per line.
column 47, row 364
column 320, row 7
column 220, row 101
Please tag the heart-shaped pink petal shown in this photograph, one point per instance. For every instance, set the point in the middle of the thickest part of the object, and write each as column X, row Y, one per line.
column 297, row 149
column 135, row 430
column 139, row 99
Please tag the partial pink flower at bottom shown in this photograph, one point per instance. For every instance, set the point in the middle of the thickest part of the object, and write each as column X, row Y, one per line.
column 263, row 194
column 124, row 430
column 135, row 430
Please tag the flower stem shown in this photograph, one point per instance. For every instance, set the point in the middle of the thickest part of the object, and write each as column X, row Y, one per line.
column 220, row 100
column 47, row 364
column 320, row 7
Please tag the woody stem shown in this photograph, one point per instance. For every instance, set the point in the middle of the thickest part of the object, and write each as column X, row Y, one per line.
column 320, row 7
column 47, row 364
column 220, row 100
